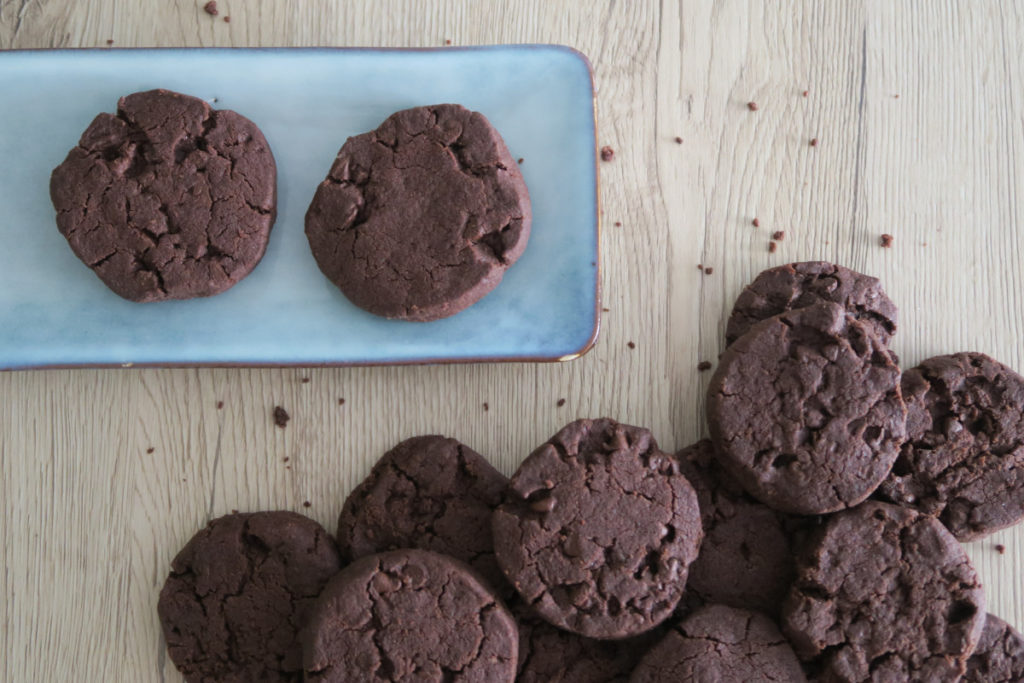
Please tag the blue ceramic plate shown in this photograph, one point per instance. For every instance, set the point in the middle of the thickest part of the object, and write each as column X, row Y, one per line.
column 55, row 312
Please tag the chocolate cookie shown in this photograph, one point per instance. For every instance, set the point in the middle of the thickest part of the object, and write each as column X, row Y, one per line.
column 598, row 530
column 168, row 199
column 551, row 655
column 238, row 595
column 999, row 657
column 420, row 218
column 964, row 455
column 798, row 285
column 745, row 559
column 427, row 492
column 719, row 643
column 806, row 412
column 409, row 615
column 886, row 594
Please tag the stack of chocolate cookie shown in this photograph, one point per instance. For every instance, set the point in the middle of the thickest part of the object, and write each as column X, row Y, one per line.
column 787, row 547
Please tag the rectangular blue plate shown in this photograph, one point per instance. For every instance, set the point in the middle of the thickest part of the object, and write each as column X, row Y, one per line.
column 55, row 312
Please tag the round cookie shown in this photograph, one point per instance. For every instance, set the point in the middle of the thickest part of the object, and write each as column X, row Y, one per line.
column 745, row 559
column 428, row 492
column 885, row 594
column 805, row 410
column 167, row 199
column 409, row 615
column 551, row 655
column 999, row 657
column 598, row 530
column 421, row 217
column 798, row 285
column 719, row 643
column 238, row 595
column 964, row 455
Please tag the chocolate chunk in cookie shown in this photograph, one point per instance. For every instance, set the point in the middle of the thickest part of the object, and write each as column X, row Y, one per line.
column 885, row 594
column 999, row 657
column 806, row 412
column 238, row 595
column 964, row 455
column 798, row 285
column 598, row 530
column 428, row 492
column 745, row 559
column 719, row 643
column 410, row 615
column 421, row 217
column 167, row 199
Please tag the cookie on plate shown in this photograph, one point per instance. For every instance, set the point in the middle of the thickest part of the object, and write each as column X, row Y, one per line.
column 745, row 559
column 885, row 594
column 167, row 199
column 798, row 285
column 409, row 615
column 420, row 218
column 719, row 643
column 598, row 530
column 964, row 455
column 428, row 492
column 806, row 412
column 239, row 593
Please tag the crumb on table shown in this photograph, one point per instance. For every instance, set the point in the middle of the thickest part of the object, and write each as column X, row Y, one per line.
column 307, row 504
column 703, row 365
column 756, row 223
column 752, row 106
column 679, row 140
column 486, row 407
column 341, row 401
column 618, row 224
column 804, row 93
column 607, row 153
column 814, row 142
column 211, row 8
column 227, row 20
column 519, row 160
column 110, row 41
column 281, row 417
column 150, row 449
column 631, row 345
column 1000, row 548
column 779, row 235
column 772, row 246
column 885, row 240
column 560, row 402
column 220, row 405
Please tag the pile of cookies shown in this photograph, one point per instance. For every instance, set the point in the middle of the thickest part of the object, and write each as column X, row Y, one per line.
column 814, row 536
column 171, row 199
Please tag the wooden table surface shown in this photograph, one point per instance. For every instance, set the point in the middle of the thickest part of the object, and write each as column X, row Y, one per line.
column 919, row 112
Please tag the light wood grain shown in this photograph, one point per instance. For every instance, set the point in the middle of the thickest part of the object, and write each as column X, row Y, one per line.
column 91, row 520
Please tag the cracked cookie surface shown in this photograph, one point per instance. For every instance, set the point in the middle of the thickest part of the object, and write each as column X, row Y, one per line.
column 410, row 615
column 428, row 492
column 421, row 217
column 745, row 559
column 798, row 285
column 806, row 411
column 964, row 455
column 598, row 530
column 999, row 657
column 238, row 595
column 719, row 643
column 885, row 594
column 167, row 199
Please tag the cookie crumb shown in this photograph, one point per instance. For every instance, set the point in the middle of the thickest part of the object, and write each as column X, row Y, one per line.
column 227, row 20
column 286, row 460
column 211, row 8
column 607, row 153
column 486, row 407
column 560, row 402
column 281, row 417
column 519, row 161
column 234, row 512
column 1000, row 548
column 700, row 267
column 896, row 96
column 618, row 224
column 814, row 142
column 307, row 504
column 447, row 41
column 679, row 140
column 631, row 345
column 220, row 405
column 772, row 246
column 885, row 240
column 708, row 270
column 110, row 41
column 804, row 93
column 703, row 365
column 779, row 235
column 341, row 401
column 305, row 380
column 756, row 223
column 606, row 310
column 150, row 449
column 752, row 106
